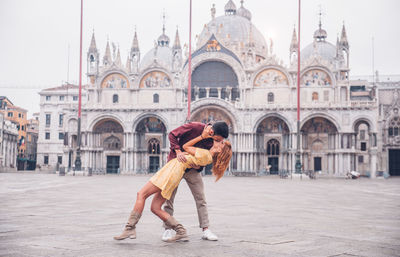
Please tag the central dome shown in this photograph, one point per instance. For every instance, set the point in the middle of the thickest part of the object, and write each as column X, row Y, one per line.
column 234, row 32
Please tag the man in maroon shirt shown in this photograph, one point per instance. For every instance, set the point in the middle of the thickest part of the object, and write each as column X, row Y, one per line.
column 177, row 138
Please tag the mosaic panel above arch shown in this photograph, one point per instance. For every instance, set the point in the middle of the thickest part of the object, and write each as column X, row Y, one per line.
column 151, row 125
column 155, row 79
column 319, row 125
column 271, row 77
column 108, row 126
column 210, row 115
column 115, row 80
column 316, row 77
column 272, row 125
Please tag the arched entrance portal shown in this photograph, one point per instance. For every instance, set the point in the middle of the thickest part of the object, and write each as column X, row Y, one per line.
column 109, row 135
column 211, row 114
column 319, row 137
column 272, row 144
column 151, row 137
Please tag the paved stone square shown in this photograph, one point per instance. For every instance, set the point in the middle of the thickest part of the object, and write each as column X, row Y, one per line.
column 49, row 215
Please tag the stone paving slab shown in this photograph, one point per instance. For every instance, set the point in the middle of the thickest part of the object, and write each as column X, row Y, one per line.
column 49, row 215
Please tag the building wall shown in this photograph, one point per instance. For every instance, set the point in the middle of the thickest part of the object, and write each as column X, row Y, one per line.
column 51, row 104
column 8, row 144
column 19, row 116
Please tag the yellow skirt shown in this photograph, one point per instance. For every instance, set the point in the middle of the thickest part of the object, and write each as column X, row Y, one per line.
column 169, row 177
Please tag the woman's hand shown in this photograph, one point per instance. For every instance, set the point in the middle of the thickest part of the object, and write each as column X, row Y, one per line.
column 193, row 166
column 207, row 131
column 180, row 156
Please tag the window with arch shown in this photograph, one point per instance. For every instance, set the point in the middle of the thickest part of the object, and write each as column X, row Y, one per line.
column 112, row 143
column 394, row 126
column 156, row 98
column 270, row 97
column 115, row 98
column 315, row 96
column 273, row 147
column 153, row 147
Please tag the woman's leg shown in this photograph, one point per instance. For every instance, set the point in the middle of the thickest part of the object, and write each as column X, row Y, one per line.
column 136, row 213
column 146, row 191
column 156, row 204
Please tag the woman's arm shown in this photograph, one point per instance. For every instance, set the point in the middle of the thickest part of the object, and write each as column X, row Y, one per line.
column 189, row 146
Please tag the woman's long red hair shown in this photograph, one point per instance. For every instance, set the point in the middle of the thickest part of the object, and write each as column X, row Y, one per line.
column 221, row 160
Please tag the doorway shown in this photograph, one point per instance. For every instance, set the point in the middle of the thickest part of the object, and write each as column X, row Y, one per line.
column 394, row 162
column 317, row 164
column 154, row 164
column 113, row 164
column 273, row 161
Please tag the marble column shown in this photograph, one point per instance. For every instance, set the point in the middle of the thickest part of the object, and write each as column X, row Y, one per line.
column 372, row 154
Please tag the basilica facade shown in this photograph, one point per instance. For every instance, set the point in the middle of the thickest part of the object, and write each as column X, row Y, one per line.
column 130, row 108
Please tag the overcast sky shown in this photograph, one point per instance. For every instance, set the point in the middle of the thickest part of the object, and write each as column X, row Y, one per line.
column 35, row 35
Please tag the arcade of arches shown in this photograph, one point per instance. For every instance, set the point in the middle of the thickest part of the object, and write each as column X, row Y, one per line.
column 112, row 148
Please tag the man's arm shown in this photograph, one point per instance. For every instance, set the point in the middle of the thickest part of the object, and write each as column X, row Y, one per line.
column 177, row 133
column 189, row 146
column 174, row 137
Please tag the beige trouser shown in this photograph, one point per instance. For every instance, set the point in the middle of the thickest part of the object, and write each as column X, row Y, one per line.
column 195, row 183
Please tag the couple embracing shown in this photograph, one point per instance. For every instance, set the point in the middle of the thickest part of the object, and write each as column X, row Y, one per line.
column 193, row 146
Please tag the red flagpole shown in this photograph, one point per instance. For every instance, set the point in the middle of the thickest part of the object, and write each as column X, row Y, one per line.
column 298, row 72
column 298, row 162
column 80, row 66
column 190, row 63
column 78, row 162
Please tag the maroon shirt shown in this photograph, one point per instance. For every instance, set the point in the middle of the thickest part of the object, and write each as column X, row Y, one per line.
column 183, row 134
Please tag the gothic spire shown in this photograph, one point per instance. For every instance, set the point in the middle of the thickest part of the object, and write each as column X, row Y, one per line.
column 107, row 56
column 294, row 43
column 93, row 43
column 177, row 43
column 135, row 43
column 343, row 39
column 118, row 59
column 128, row 64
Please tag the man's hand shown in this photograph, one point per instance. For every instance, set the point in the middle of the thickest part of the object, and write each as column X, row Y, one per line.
column 180, row 156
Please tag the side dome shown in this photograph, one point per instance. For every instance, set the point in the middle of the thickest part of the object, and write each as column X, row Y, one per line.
column 320, row 48
column 162, row 55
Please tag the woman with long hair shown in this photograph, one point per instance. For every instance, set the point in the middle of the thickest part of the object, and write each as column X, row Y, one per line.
column 164, row 182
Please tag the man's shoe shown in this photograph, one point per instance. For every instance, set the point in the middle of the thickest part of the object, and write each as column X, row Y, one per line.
column 167, row 235
column 209, row 235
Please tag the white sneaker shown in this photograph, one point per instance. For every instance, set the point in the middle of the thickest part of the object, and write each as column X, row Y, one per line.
column 208, row 235
column 167, row 235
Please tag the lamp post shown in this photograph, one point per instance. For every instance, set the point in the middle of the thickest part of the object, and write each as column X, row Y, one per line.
column 298, row 162
column 78, row 162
